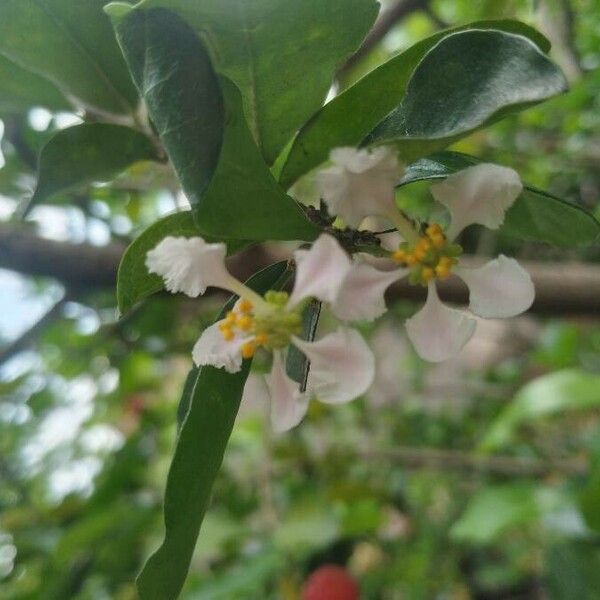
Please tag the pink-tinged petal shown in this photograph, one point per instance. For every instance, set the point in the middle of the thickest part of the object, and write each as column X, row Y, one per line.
column 320, row 271
column 212, row 349
column 288, row 404
column 499, row 289
column 189, row 265
column 361, row 296
column 342, row 366
column 360, row 183
column 479, row 194
column 437, row 331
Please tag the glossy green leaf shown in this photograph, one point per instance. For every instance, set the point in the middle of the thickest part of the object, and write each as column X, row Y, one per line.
column 198, row 456
column 535, row 215
column 569, row 389
column 282, row 55
column 73, row 45
column 297, row 364
column 86, row 153
column 21, row 89
column 174, row 75
column 134, row 283
column 232, row 191
column 468, row 80
column 348, row 118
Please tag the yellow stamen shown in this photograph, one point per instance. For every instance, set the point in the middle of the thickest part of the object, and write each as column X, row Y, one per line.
column 399, row 256
column 427, row 274
column 410, row 260
column 226, row 332
column 433, row 230
column 245, row 306
column 248, row 349
column 261, row 339
column 230, row 318
column 442, row 272
column 438, row 240
column 244, row 322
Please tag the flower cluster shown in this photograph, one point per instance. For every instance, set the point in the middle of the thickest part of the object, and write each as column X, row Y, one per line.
column 357, row 185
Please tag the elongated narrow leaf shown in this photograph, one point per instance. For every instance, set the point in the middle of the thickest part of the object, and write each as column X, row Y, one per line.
column 214, row 404
column 536, row 215
column 232, row 191
column 281, row 54
column 73, row 45
column 297, row 364
column 348, row 118
column 21, row 89
column 134, row 283
column 468, row 80
column 566, row 390
column 86, row 153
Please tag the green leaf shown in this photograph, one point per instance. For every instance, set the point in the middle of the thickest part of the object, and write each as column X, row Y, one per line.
column 80, row 155
column 569, row 389
column 493, row 510
column 73, row 45
column 231, row 189
column 174, row 75
column 348, row 118
column 297, row 364
column 281, row 54
column 133, row 281
column 198, row 456
column 21, row 89
column 468, row 80
column 535, row 215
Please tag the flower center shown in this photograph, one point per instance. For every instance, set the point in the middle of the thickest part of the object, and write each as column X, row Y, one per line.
column 431, row 257
column 270, row 327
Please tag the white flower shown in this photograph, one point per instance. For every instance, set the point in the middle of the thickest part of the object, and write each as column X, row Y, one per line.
column 479, row 194
column 360, row 183
column 189, row 265
column 354, row 289
column 500, row 288
column 342, row 366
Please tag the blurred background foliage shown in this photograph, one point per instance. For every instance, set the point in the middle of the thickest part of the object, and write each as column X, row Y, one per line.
column 474, row 479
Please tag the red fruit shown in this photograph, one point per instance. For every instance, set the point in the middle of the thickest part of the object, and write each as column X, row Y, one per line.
column 331, row 582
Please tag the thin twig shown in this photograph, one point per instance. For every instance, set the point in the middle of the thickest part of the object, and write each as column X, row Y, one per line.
column 463, row 461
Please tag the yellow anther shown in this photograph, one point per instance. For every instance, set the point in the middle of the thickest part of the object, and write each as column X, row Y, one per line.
column 420, row 254
column 261, row 339
column 245, row 306
column 399, row 256
column 433, row 230
column 244, row 322
column 446, row 261
column 226, row 332
column 438, row 240
column 424, row 244
column 230, row 318
column 248, row 349
column 411, row 260
column 427, row 274
column 442, row 272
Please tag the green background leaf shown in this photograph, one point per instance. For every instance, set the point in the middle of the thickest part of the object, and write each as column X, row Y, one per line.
column 536, row 215
column 73, row 45
column 231, row 189
column 198, row 456
column 568, row 389
column 282, row 55
column 345, row 122
column 468, row 80
column 86, row 153
column 21, row 89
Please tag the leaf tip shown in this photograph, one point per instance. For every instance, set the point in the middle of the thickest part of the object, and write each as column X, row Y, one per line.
column 118, row 10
